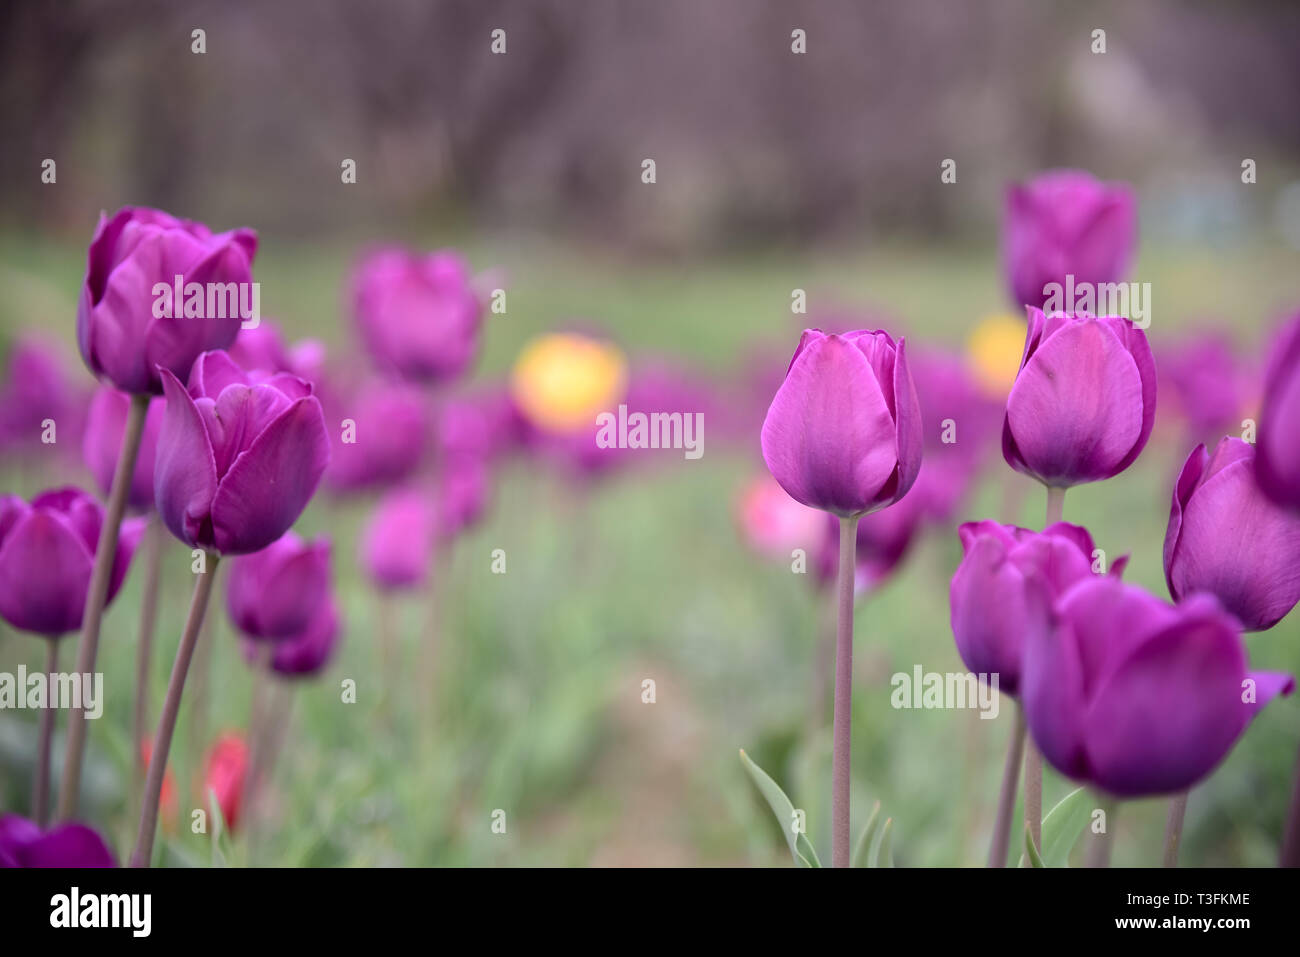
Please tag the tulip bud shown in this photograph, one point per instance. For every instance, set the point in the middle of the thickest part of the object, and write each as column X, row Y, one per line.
column 47, row 553
column 418, row 314
column 102, row 442
column 275, row 594
column 121, row 337
column 1084, row 401
column 23, row 844
column 239, row 455
column 1138, row 697
column 843, row 433
column 1004, row 588
column 307, row 653
column 1062, row 223
column 1227, row 538
column 1278, row 464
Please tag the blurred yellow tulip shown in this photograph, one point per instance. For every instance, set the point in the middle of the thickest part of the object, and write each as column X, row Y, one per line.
column 561, row 381
column 995, row 347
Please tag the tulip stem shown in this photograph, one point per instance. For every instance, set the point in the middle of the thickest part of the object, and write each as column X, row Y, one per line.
column 1007, row 796
column 162, row 743
column 1290, row 856
column 144, row 648
column 1174, row 828
column 1055, row 504
column 41, row 783
column 1099, row 848
column 97, row 595
column 842, row 729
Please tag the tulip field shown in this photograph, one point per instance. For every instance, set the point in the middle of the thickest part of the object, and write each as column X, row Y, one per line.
column 491, row 639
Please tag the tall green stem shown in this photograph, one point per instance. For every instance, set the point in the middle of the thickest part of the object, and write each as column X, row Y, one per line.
column 167, row 720
column 842, row 729
column 41, row 782
column 1007, row 796
column 1174, row 828
column 97, row 596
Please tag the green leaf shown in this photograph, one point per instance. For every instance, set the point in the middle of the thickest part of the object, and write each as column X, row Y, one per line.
column 1063, row 825
column 884, row 856
column 1032, row 851
column 864, row 842
column 220, row 841
column 801, row 848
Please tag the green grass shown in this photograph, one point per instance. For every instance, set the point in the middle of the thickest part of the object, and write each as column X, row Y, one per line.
column 535, row 707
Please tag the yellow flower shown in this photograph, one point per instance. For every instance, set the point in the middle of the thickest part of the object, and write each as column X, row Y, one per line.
column 995, row 347
column 561, row 381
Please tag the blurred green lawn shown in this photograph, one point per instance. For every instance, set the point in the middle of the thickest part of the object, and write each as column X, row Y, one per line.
column 536, row 708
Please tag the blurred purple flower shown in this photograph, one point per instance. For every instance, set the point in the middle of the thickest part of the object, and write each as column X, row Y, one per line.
column 102, row 442
column 1278, row 464
column 47, row 552
column 37, row 387
column 398, row 541
column 23, row 844
column 1066, row 222
column 275, row 594
column 1206, row 384
column 419, row 315
column 380, row 433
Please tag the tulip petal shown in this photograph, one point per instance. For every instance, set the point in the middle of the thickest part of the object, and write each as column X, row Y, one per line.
column 44, row 573
column 269, row 484
column 185, row 474
column 1075, row 412
column 829, row 438
column 1268, row 685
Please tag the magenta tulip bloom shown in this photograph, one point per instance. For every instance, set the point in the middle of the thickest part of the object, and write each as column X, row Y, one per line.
column 380, row 434
column 1138, row 697
column 308, row 652
column 1208, row 384
column 274, row 594
column 239, row 455
column 23, row 844
column 37, row 390
column 1083, row 402
column 1004, row 588
column 418, row 314
column 1227, row 538
column 397, row 544
column 122, row 338
column 1278, row 465
column 1062, row 223
column 47, row 552
column 843, row 433
column 105, row 423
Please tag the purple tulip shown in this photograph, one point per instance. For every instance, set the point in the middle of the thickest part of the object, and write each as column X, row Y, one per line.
column 1278, row 465
column 22, row 844
column 380, row 433
column 843, row 433
column 37, row 387
column 239, row 455
column 418, row 314
column 1062, row 223
column 1083, row 402
column 462, row 495
column 1208, row 384
column 1227, row 538
column 308, row 652
column 1004, row 588
column 486, row 424
column 102, row 442
column 398, row 542
column 1138, row 697
column 275, row 594
column 47, row 552
column 121, row 339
